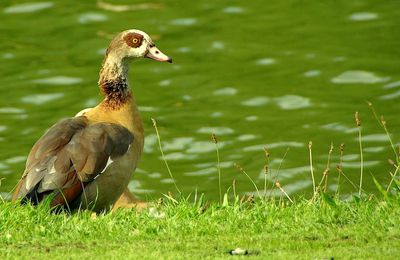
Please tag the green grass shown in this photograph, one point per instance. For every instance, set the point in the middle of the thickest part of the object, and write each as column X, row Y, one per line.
column 322, row 229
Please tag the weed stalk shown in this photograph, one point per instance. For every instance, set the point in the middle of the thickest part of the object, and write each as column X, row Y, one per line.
column 266, row 171
column 382, row 122
column 215, row 141
column 251, row 180
column 358, row 123
column 339, row 167
column 326, row 171
column 278, row 185
column 393, row 177
column 311, row 168
column 163, row 156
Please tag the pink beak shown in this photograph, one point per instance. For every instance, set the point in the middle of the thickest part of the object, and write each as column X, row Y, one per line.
column 155, row 54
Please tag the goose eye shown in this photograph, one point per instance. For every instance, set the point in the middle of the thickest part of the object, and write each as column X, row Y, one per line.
column 133, row 40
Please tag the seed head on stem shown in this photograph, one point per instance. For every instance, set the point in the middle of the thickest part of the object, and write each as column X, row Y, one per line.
column 214, row 138
column 266, row 168
column 278, row 185
column 383, row 122
column 266, row 152
column 358, row 119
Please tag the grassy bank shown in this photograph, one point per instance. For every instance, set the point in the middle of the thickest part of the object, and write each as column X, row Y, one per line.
column 320, row 229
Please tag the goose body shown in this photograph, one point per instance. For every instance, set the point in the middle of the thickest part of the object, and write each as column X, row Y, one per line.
column 87, row 161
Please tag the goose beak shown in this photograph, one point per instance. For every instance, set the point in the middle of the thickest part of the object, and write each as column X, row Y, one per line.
column 155, row 54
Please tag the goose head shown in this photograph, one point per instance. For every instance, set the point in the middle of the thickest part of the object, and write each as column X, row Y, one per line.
column 131, row 44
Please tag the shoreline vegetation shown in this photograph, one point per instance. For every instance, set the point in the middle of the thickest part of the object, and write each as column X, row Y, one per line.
column 323, row 226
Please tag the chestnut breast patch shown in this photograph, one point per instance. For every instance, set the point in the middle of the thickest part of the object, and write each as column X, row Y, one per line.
column 133, row 40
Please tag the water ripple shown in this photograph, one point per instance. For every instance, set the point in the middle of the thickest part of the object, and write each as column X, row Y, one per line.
column 312, row 73
column 289, row 102
column 216, row 114
column 393, row 95
column 246, row 137
column 251, row 118
column 374, row 138
column 16, row 159
column 201, row 172
column 179, row 143
column 392, row 85
column 27, row 7
column 260, row 147
column 91, row 17
column 39, row 99
column 339, row 127
column 58, row 80
column 203, row 147
column 233, row 10
column 184, row 21
column 363, row 16
column 218, row 130
column 376, row 149
column 179, row 156
column 164, row 83
column 225, row 92
column 357, row 165
column 256, row 101
column 265, row 61
column 358, row 76
column 218, row 45
column 11, row 110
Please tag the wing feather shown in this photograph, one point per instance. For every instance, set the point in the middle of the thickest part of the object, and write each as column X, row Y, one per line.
column 70, row 154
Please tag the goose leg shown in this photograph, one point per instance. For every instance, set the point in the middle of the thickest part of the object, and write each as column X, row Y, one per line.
column 127, row 200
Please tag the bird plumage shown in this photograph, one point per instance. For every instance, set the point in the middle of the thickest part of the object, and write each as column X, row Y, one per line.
column 87, row 161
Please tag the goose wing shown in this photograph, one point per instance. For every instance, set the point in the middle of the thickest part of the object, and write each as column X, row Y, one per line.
column 68, row 156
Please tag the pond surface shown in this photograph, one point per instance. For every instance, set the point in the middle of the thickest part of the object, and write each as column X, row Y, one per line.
column 276, row 74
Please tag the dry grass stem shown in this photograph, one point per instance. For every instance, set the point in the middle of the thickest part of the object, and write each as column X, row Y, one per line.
column 162, row 154
column 326, row 171
column 251, row 180
column 215, row 141
column 234, row 188
column 347, row 178
column 358, row 123
column 393, row 177
column 339, row 166
column 311, row 167
column 382, row 122
column 266, row 169
column 278, row 185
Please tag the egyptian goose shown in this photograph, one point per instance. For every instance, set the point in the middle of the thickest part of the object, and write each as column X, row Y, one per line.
column 86, row 161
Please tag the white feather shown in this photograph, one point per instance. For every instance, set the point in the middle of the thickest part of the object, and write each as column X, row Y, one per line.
column 109, row 161
column 82, row 112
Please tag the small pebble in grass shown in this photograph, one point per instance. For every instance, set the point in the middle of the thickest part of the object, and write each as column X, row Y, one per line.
column 155, row 213
column 238, row 251
column 93, row 216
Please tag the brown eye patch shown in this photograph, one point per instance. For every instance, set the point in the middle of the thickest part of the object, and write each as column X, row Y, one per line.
column 133, row 40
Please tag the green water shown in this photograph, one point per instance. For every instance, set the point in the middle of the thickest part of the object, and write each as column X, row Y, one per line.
column 275, row 73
